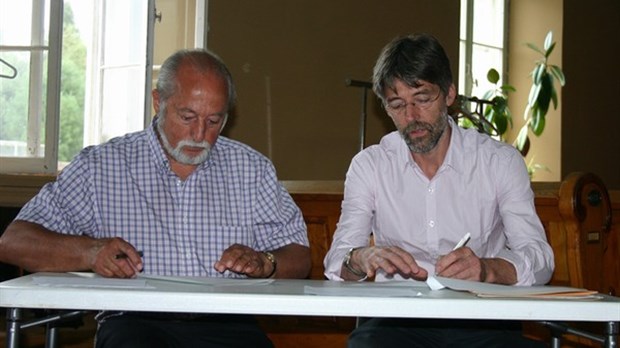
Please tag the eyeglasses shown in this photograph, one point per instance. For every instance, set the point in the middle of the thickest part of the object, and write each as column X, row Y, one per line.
column 423, row 101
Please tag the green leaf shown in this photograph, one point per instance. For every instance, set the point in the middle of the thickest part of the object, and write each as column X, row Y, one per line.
column 521, row 138
column 499, row 104
column 538, row 122
column 488, row 94
column 558, row 73
column 508, row 88
column 531, row 100
column 493, row 76
column 548, row 40
column 539, row 70
column 501, row 123
column 544, row 96
column 554, row 98
column 549, row 50
column 535, row 48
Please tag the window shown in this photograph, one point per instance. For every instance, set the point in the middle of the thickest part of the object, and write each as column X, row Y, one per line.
column 482, row 38
column 48, row 114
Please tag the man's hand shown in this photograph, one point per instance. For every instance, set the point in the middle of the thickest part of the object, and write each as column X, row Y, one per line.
column 391, row 260
column 244, row 260
column 462, row 263
column 114, row 257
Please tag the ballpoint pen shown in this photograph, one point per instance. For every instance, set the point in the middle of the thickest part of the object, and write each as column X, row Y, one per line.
column 463, row 241
column 124, row 256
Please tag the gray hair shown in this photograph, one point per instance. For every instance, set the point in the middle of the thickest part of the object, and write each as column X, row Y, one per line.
column 202, row 60
column 411, row 59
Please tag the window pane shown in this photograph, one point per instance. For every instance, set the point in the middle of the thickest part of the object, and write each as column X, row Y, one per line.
column 124, row 32
column 23, row 36
column 122, row 104
column 76, row 38
column 485, row 58
column 489, row 22
column 463, row 69
column 15, row 26
column 463, row 29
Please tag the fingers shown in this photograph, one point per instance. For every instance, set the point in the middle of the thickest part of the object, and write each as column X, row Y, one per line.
column 461, row 263
column 390, row 260
column 243, row 260
column 114, row 257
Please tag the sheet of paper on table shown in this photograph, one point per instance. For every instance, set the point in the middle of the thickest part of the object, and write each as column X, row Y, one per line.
column 497, row 290
column 86, row 279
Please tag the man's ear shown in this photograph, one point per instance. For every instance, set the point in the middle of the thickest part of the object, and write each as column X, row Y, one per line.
column 155, row 95
column 451, row 95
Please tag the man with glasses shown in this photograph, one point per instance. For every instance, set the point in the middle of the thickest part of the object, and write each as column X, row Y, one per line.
column 176, row 199
column 423, row 188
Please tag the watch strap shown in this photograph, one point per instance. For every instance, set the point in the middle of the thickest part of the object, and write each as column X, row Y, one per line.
column 347, row 264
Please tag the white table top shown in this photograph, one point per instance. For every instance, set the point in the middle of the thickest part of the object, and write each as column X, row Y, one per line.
column 291, row 297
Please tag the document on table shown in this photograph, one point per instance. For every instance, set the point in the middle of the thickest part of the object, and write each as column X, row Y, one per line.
column 85, row 279
column 88, row 280
column 379, row 289
column 497, row 290
column 207, row 281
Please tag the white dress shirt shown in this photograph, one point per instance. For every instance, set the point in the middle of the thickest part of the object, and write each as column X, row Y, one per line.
column 482, row 188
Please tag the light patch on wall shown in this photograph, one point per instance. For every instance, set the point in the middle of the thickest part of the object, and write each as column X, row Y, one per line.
column 268, row 115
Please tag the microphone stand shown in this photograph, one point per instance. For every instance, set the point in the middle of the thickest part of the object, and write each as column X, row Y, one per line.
column 365, row 86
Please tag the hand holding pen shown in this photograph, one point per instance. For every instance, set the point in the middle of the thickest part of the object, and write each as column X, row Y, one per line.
column 115, row 257
column 460, row 263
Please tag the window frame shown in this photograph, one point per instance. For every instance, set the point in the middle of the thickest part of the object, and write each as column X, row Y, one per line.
column 47, row 162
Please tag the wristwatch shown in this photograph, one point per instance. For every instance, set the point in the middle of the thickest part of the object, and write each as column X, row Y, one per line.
column 347, row 263
column 273, row 261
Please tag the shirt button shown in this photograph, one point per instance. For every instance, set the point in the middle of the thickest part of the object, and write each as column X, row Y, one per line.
column 431, row 223
column 430, row 190
column 188, row 255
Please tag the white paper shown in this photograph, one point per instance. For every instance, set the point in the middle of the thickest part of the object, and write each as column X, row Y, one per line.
column 366, row 290
column 89, row 282
column 207, row 281
column 498, row 290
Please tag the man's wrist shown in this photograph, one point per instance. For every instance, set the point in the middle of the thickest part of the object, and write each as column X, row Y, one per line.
column 347, row 264
column 269, row 256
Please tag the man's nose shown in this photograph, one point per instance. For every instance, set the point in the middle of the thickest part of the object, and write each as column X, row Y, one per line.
column 199, row 131
column 412, row 112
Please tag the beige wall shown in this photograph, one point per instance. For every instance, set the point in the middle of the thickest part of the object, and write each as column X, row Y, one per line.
column 540, row 17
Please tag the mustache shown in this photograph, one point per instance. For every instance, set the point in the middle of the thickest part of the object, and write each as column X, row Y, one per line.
column 416, row 126
column 203, row 145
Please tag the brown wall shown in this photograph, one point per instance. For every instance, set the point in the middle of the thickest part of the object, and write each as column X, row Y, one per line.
column 591, row 112
column 290, row 60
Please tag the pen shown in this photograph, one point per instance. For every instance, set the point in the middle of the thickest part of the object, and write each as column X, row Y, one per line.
column 463, row 241
column 124, row 256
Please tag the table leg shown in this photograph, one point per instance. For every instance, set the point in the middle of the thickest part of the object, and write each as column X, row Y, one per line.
column 611, row 331
column 13, row 318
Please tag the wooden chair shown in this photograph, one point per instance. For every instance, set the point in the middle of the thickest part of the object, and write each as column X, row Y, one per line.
column 587, row 252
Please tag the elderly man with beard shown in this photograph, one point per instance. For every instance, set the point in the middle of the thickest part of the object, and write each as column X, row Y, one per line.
column 176, row 199
column 423, row 188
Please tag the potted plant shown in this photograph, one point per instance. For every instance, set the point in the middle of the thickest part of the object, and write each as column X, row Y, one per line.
column 491, row 114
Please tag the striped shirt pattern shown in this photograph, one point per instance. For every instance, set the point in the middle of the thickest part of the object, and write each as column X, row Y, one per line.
column 125, row 188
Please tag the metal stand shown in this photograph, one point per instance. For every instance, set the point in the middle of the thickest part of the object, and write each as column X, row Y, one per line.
column 52, row 322
column 609, row 340
column 365, row 86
